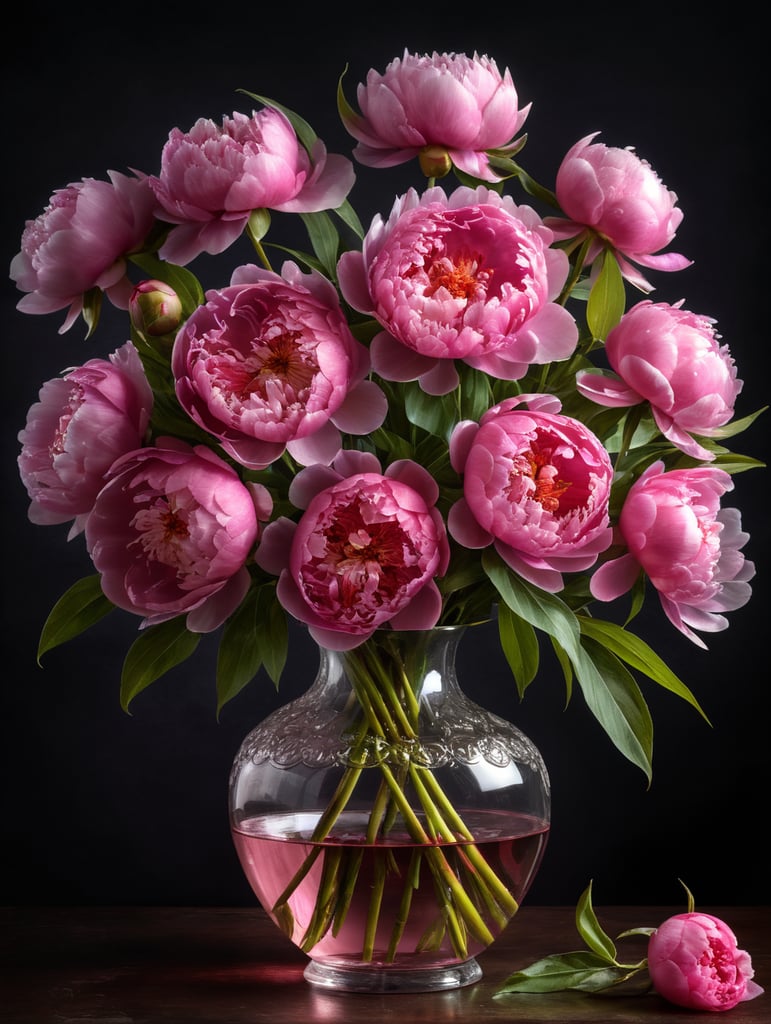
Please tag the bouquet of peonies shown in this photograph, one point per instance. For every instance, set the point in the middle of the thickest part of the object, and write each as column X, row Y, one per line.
column 468, row 407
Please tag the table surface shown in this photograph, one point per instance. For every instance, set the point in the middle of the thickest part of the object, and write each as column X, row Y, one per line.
column 183, row 965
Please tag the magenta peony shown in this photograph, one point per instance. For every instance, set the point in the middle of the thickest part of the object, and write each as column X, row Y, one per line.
column 535, row 483
column 269, row 364
column 83, row 422
column 365, row 552
column 694, row 961
column 79, row 242
column 689, row 548
column 171, row 532
column 471, row 277
column 620, row 198
column 447, row 108
column 673, row 359
column 213, row 177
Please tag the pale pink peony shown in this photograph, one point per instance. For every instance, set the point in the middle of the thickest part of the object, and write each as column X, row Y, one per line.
column 537, row 485
column 213, row 177
column 671, row 358
column 444, row 105
column 689, row 548
column 80, row 242
column 365, row 552
column 694, row 961
column 471, row 277
column 84, row 421
column 171, row 532
column 620, row 198
column 269, row 365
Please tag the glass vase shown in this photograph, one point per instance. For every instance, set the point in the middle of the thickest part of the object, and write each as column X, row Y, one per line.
column 389, row 825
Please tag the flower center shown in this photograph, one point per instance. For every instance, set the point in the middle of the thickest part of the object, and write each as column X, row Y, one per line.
column 369, row 561
column 280, row 362
column 541, row 478
column 461, row 277
column 163, row 531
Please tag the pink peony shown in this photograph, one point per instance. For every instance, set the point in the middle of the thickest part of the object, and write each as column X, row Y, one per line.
column 83, row 422
column 471, row 277
column 365, row 552
column 671, row 358
column 171, row 532
column 689, row 548
column 446, row 105
column 694, row 961
column 535, row 483
column 79, row 242
column 212, row 178
column 269, row 364
column 620, row 198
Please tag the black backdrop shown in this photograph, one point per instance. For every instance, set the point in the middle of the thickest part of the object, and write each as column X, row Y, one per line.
column 104, row 807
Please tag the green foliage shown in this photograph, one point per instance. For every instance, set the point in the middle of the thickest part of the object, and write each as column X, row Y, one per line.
column 593, row 970
column 81, row 607
column 156, row 650
column 255, row 635
column 607, row 298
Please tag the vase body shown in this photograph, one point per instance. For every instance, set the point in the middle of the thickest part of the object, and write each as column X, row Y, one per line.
column 388, row 824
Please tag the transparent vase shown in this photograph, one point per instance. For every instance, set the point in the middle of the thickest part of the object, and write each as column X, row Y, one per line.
column 389, row 825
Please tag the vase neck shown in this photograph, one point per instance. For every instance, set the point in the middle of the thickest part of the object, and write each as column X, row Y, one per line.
column 424, row 660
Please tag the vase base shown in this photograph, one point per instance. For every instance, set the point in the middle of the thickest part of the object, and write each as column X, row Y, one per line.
column 386, row 979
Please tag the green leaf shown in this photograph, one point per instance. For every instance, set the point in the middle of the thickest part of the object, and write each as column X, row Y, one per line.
column 607, row 298
column 77, row 610
column 238, row 657
column 636, row 652
column 324, row 239
column 431, row 412
column 156, row 650
column 615, row 700
column 540, row 609
column 580, row 969
column 520, row 647
column 610, row 692
column 92, row 307
column 590, row 930
column 272, row 633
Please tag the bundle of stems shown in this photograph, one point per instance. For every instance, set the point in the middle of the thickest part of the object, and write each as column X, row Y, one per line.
column 471, row 898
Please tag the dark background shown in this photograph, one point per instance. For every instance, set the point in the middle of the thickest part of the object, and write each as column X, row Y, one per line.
column 104, row 807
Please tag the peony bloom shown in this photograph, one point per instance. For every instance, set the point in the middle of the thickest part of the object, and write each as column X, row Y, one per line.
column 689, row 548
column 83, row 422
column 620, row 198
column 447, row 107
column 537, row 485
column 171, row 532
column 269, row 364
column 79, row 242
column 212, row 178
column 694, row 961
column 671, row 358
column 470, row 277
column 365, row 552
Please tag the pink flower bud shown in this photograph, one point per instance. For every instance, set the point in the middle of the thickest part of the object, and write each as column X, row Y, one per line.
column 155, row 308
column 694, row 961
column 435, row 161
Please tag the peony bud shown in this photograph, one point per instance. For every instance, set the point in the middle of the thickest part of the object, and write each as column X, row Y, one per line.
column 155, row 308
column 435, row 161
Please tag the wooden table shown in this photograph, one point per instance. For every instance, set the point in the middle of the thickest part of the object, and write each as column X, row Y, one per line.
column 180, row 965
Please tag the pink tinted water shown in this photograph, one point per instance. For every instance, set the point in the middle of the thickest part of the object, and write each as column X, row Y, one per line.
column 273, row 847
